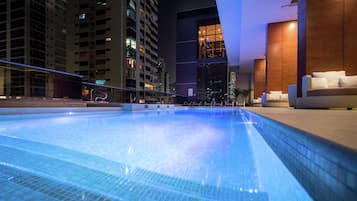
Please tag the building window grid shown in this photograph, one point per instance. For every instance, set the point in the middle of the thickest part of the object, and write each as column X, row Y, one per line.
column 211, row 41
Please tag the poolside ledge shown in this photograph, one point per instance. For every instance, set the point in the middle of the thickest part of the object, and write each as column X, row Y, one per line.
column 319, row 147
column 337, row 126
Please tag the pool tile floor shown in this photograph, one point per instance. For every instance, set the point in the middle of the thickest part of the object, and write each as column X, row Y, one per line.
column 51, row 174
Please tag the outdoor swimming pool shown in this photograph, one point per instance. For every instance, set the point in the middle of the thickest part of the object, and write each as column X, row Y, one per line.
column 182, row 154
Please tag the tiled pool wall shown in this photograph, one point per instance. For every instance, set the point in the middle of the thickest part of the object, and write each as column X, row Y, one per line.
column 326, row 170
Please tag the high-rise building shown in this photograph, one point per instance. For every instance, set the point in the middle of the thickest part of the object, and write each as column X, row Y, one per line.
column 201, row 62
column 114, row 43
column 142, row 47
column 96, row 37
column 32, row 32
column 56, row 32
column 164, row 77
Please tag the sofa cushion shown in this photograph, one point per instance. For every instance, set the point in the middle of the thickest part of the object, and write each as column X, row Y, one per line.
column 258, row 100
column 271, row 97
column 284, row 97
column 275, row 92
column 332, row 92
column 332, row 77
column 277, row 97
column 319, row 83
column 348, row 81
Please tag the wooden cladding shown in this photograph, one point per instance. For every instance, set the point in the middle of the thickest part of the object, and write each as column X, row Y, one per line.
column 324, row 36
column 281, row 56
column 350, row 37
column 327, row 37
column 259, row 77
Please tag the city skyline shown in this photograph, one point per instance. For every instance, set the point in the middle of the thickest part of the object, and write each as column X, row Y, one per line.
column 111, row 43
column 57, row 42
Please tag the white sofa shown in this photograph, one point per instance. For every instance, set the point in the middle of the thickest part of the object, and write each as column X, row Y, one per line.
column 257, row 101
column 275, row 99
column 331, row 89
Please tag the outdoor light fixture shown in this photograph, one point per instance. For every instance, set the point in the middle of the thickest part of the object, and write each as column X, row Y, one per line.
column 292, row 25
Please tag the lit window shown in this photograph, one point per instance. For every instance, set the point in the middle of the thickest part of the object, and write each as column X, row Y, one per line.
column 108, row 39
column 211, row 41
column 132, row 4
column 142, row 13
column 101, row 3
column 101, row 82
column 190, row 92
column 149, row 86
column 142, row 49
column 131, row 63
column 82, row 16
column 131, row 43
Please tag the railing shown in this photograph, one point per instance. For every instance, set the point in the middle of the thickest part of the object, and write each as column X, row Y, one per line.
column 26, row 81
column 91, row 92
column 21, row 80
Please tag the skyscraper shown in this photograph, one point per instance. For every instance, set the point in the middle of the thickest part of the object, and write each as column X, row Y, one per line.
column 164, row 77
column 95, row 43
column 32, row 32
column 114, row 43
column 201, row 63
column 142, row 46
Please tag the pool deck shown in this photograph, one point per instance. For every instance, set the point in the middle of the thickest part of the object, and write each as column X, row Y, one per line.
column 338, row 126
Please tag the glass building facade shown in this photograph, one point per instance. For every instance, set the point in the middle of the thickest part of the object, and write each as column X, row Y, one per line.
column 211, row 42
column 21, row 80
column 201, row 63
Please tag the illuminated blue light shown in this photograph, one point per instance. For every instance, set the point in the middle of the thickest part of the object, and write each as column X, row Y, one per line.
column 101, row 82
column 82, row 16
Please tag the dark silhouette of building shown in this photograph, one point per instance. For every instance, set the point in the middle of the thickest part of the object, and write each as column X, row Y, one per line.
column 33, row 33
column 201, row 64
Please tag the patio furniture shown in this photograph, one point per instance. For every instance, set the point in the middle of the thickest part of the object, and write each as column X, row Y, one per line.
column 331, row 89
column 275, row 99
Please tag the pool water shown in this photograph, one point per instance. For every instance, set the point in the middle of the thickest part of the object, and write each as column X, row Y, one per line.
column 182, row 154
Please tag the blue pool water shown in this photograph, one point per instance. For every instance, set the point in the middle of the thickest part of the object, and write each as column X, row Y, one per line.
column 182, row 154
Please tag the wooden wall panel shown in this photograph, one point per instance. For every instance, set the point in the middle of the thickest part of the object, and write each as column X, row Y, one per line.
column 259, row 77
column 289, row 55
column 274, row 50
column 350, row 37
column 281, row 56
column 324, row 35
column 327, row 37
